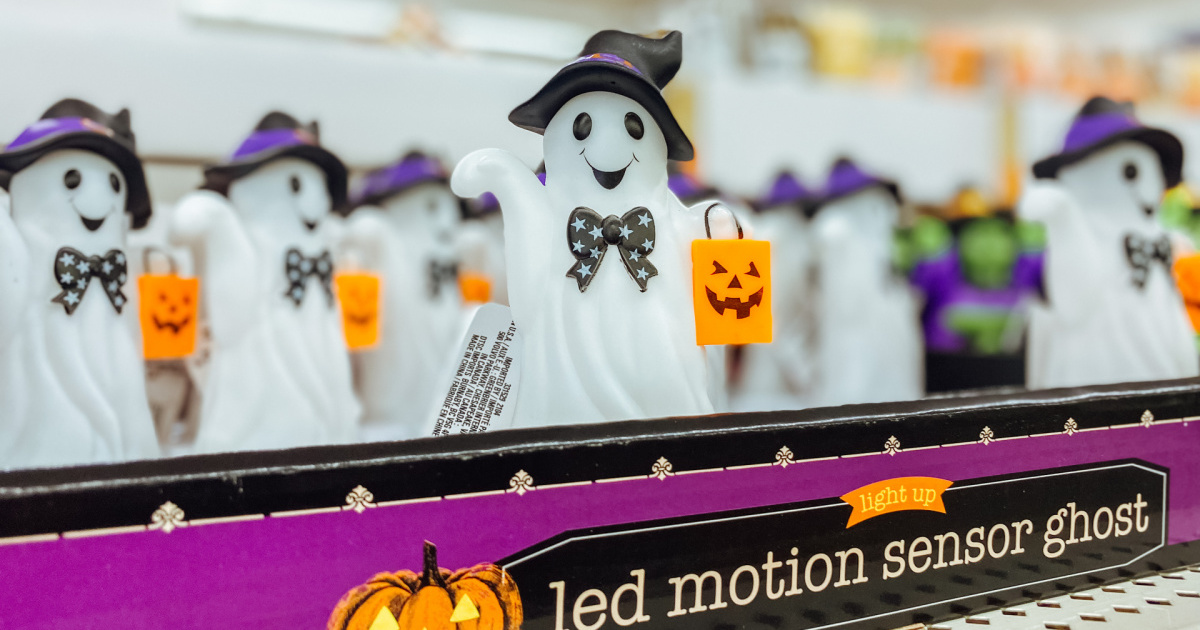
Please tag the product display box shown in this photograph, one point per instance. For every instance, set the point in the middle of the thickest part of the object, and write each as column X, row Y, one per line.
column 871, row 516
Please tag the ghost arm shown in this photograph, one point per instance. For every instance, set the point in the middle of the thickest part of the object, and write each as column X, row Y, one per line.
column 722, row 221
column 207, row 224
column 14, row 275
column 520, row 193
column 1073, row 270
column 362, row 242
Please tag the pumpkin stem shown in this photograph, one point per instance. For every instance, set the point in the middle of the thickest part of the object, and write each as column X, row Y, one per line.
column 431, row 575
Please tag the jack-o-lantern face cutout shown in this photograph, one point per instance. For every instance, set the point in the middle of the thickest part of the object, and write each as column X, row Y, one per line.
column 483, row 597
column 731, row 290
column 358, row 294
column 168, row 315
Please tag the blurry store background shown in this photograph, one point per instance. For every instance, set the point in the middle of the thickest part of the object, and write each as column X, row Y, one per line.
column 939, row 94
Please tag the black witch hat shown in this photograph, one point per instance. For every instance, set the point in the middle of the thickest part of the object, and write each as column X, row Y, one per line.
column 1102, row 123
column 631, row 65
column 279, row 135
column 75, row 124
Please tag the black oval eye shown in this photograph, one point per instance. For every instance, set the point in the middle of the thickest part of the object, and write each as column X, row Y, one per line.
column 583, row 126
column 633, row 124
column 72, row 179
column 295, row 181
column 1131, row 171
column 115, row 182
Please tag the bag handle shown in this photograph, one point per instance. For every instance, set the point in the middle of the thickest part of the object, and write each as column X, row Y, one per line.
column 172, row 268
column 708, row 229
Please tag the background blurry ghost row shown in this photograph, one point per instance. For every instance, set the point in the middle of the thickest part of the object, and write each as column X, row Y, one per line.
column 943, row 97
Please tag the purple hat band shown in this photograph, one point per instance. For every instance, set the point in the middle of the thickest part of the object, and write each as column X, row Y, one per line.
column 268, row 139
column 402, row 175
column 1088, row 130
column 786, row 189
column 57, row 126
column 607, row 58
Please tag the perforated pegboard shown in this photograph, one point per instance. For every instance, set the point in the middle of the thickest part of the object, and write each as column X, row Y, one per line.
column 1168, row 601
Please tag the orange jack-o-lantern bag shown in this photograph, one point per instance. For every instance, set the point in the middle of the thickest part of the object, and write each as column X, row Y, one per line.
column 731, row 289
column 359, row 295
column 475, row 287
column 167, row 311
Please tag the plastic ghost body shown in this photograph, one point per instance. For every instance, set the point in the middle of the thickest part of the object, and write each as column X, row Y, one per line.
column 869, row 347
column 779, row 375
column 1100, row 325
column 72, row 385
column 612, row 352
column 410, row 242
column 279, row 374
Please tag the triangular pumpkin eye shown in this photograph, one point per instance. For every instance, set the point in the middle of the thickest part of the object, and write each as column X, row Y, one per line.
column 717, row 268
column 464, row 611
column 753, row 271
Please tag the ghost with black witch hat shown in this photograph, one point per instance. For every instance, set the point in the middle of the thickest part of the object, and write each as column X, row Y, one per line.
column 779, row 375
column 868, row 326
column 599, row 267
column 279, row 373
column 72, row 386
column 404, row 227
column 1112, row 311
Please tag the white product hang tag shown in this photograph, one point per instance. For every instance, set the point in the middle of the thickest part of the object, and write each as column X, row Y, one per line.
column 482, row 392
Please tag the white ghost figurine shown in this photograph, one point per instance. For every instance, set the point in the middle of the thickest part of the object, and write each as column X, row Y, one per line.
column 72, row 385
column 481, row 246
column 869, row 344
column 599, row 259
column 1112, row 311
column 279, row 373
column 780, row 375
column 404, row 228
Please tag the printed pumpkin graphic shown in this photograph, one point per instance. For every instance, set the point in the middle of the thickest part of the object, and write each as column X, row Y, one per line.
column 482, row 597
column 167, row 313
column 358, row 294
column 731, row 291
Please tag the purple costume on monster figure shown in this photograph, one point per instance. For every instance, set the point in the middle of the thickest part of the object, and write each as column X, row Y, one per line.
column 947, row 292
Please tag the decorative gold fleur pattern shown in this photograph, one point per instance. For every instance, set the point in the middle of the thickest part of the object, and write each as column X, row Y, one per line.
column 1071, row 427
column 892, row 446
column 520, row 483
column 1147, row 418
column 986, row 436
column 662, row 469
column 167, row 517
column 784, row 457
column 359, row 500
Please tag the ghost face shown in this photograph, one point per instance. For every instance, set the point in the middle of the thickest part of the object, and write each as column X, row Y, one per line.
column 72, row 196
column 604, row 149
column 1122, row 184
column 428, row 211
column 288, row 197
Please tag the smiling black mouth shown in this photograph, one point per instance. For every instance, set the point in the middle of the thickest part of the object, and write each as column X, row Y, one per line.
column 609, row 179
column 92, row 224
column 311, row 225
